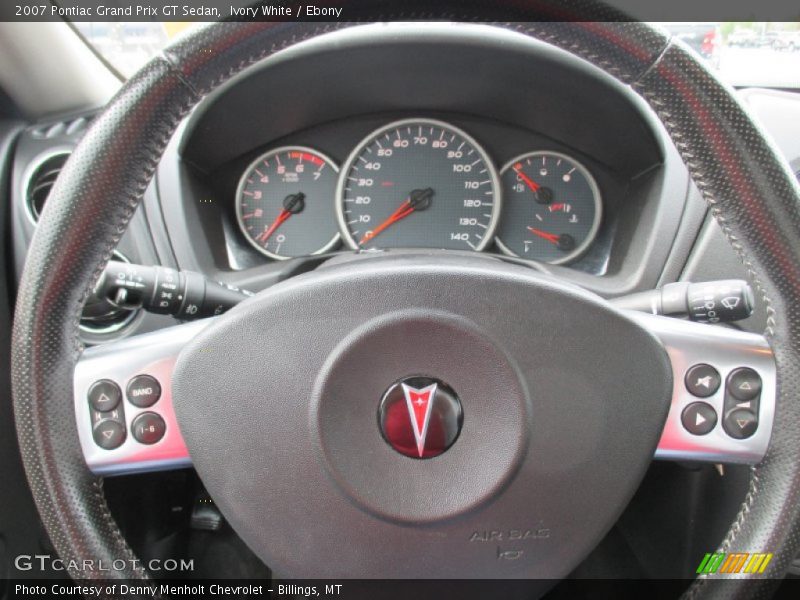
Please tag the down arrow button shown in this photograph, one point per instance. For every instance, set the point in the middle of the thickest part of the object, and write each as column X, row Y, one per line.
column 740, row 423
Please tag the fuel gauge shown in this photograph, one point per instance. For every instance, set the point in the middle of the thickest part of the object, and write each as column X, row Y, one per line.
column 551, row 209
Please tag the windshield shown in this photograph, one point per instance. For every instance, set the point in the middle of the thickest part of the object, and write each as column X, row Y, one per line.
column 743, row 53
column 128, row 46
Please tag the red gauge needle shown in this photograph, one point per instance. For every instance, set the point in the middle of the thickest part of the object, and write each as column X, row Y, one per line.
column 528, row 181
column 292, row 204
column 279, row 220
column 417, row 200
column 550, row 237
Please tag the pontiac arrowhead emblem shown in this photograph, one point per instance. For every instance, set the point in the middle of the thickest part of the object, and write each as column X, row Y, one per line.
column 420, row 417
column 419, row 404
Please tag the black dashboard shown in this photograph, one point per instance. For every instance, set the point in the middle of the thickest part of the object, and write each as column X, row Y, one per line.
column 262, row 180
column 513, row 99
column 337, row 140
column 357, row 88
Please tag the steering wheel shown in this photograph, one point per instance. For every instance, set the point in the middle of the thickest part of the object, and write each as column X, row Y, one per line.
column 541, row 464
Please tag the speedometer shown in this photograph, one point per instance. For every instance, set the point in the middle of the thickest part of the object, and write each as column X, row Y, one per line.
column 418, row 183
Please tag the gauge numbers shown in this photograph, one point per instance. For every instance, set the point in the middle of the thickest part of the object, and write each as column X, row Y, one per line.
column 418, row 183
column 284, row 203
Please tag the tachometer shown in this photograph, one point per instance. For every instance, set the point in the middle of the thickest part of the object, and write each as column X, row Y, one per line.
column 552, row 208
column 418, row 183
column 284, row 203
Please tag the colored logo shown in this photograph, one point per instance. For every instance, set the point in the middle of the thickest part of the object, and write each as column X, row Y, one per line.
column 420, row 417
column 734, row 562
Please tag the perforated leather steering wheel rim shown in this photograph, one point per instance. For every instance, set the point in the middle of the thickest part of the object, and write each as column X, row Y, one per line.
column 752, row 194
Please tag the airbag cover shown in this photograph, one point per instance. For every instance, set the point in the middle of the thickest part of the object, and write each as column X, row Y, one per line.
column 564, row 399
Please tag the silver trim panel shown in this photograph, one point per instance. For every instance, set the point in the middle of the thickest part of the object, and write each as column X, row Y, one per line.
column 686, row 344
column 725, row 349
column 148, row 354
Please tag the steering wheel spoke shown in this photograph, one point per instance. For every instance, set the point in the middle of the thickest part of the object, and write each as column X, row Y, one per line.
column 724, row 389
column 123, row 403
column 710, row 418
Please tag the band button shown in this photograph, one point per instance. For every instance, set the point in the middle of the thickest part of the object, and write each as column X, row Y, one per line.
column 143, row 391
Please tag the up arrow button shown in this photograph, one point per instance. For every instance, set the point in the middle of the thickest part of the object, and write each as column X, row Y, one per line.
column 104, row 395
column 744, row 384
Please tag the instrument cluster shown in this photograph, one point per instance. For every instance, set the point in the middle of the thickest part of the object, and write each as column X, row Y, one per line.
column 418, row 183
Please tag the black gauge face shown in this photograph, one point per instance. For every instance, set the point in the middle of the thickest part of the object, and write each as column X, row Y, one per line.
column 552, row 208
column 418, row 183
column 284, row 203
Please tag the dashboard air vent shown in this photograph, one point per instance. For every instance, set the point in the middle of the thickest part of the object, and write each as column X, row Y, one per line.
column 40, row 182
column 49, row 131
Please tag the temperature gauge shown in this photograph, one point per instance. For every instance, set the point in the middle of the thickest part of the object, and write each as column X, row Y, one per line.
column 552, row 208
